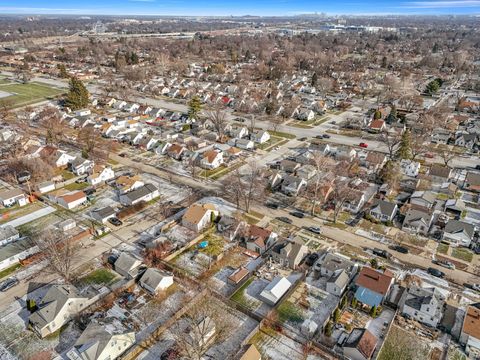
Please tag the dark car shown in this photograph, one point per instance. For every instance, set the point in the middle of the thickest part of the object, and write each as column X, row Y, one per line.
column 115, row 221
column 297, row 214
column 477, row 167
column 319, row 136
column 89, row 191
column 284, row 219
column 239, row 120
column 81, row 179
column 382, row 253
column 400, row 249
column 326, row 136
column 303, row 139
column 314, row 229
column 8, row 284
column 435, row 272
column 271, row 205
column 311, row 259
column 122, row 155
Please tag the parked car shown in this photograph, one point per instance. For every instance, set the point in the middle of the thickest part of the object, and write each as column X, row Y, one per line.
column 382, row 253
column 311, row 259
column 303, row 139
column 363, row 145
column 319, row 136
column 271, row 205
column 475, row 287
column 239, row 120
column 429, row 155
column 89, row 191
column 445, row 263
column 297, row 214
column 435, row 272
column 122, row 155
column 315, row 230
column 284, row 219
column 400, row 249
column 8, row 284
column 477, row 167
column 81, row 179
column 115, row 221
column 326, row 136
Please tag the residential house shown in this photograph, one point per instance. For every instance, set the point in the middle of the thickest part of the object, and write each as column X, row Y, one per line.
column 440, row 173
column 373, row 286
column 259, row 239
column 306, row 172
column 176, row 151
column 292, row 185
column 229, row 227
column 66, row 225
column 155, row 280
column 238, row 276
column 466, row 140
column 13, row 197
column 101, row 342
column 459, row 233
column 342, row 152
column 238, row 132
column 338, row 282
column 100, row 174
column 440, row 136
column 199, row 216
column 355, row 201
column 423, row 200
column 145, row 193
column 330, row 263
column 424, row 305
column 81, row 166
column 46, row 187
column 127, row 265
column 161, row 147
column 274, row 291
column 360, row 345
column 260, row 136
column 72, row 199
column 211, row 159
column 377, row 126
column 383, row 210
column 103, row 214
column 15, row 251
column 409, row 167
column 289, row 253
column 470, row 334
column 417, row 221
column 243, row 144
column 289, row 166
column 471, row 183
column 57, row 307
column 375, row 160
column 125, row 184
column 305, row 114
column 8, row 234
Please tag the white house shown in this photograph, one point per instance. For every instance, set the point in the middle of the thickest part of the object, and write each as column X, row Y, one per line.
column 46, row 187
column 13, row 197
column 146, row 192
column 409, row 167
column 199, row 216
column 8, row 234
column 305, row 114
column 154, row 280
column 260, row 136
column 100, row 174
column 275, row 290
column 424, row 305
column 72, row 200
column 81, row 166
column 459, row 233
column 383, row 210
column 211, row 159
column 127, row 265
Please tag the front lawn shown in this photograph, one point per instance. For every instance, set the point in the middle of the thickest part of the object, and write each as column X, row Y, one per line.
column 99, row 277
column 462, row 254
column 10, row 270
column 76, row 186
column 282, row 134
column 442, row 248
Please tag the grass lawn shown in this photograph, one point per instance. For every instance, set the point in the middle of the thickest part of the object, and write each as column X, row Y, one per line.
column 321, row 120
column 250, row 219
column 75, row 186
column 272, row 142
column 239, row 297
column 25, row 94
column 462, row 254
column 215, row 245
column 67, row 175
column 112, row 162
column 282, row 134
column 99, row 276
column 5, row 272
column 288, row 311
column 442, row 248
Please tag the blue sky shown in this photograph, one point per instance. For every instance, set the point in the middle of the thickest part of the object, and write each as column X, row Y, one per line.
column 251, row 7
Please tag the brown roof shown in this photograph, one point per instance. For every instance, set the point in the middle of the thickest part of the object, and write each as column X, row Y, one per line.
column 376, row 124
column 175, row 148
column 374, row 280
column 367, row 344
column 251, row 353
column 375, row 157
column 73, row 196
column 210, row 155
column 259, row 234
column 238, row 275
column 440, row 171
column 196, row 212
column 471, row 324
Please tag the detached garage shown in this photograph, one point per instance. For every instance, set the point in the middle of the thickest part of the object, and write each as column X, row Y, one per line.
column 275, row 290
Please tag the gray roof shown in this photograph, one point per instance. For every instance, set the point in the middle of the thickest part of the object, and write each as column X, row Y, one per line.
column 7, row 232
column 340, row 278
column 456, row 226
column 141, row 192
column 416, row 215
column 15, row 248
column 153, row 277
column 384, row 207
column 104, row 212
column 126, row 263
column 9, row 194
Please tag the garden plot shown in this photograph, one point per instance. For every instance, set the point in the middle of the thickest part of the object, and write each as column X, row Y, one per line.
column 273, row 345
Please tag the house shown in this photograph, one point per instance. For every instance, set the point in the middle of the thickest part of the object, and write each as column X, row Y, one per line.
column 289, row 253
column 292, row 185
column 260, row 136
column 199, row 216
column 440, row 136
column 13, row 197
column 99, row 342
column 249, row 352
column 417, row 221
column 360, row 345
column 305, row 114
column 373, row 286
column 145, row 193
column 238, row 132
column 15, row 251
column 211, row 159
column 423, row 200
column 439, row 173
column 289, row 166
column 57, row 307
column 238, row 276
column 331, row 262
column 355, row 201
column 459, row 233
column 383, row 210
column 8, row 234
column 202, row 333
column 409, row 167
column 244, row 144
column 154, row 280
column 306, row 172
column 127, row 265
column 471, row 183
column 377, row 126
column 375, row 160
column 424, row 305
column 470, row 334
column 80, row 166
column 100, row 174
column 46, row 187
column 229, row 227
column 274, row 291
column 67, row 225
column 466, row 140
column 259, row 239
column 338, row 282
column 125, row 184
column 342, row 152
column 103, row 214
column 175, row 151
column 71, row 200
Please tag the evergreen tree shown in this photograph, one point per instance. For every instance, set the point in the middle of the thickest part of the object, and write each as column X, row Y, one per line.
column 405, row 148
column 336, row 315
column 329, row 329
column 77, row 97
column 374, row 263
column 194, row 107
column 354, row 303
column 373, row 311
column 377, row 115
column 314, row 79
column 62, row 71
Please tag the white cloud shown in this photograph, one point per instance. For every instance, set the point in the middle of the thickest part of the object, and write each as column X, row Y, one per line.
column 442, row 4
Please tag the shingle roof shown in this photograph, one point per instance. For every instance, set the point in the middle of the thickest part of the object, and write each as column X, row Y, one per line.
column 374, row 280
column 362, row 340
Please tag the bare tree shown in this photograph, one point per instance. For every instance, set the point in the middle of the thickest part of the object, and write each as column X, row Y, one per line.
column 252, row 124
column 341, row 193
column 58, row 250
column 316, row 186
column 93, row 145
column 51, row 122
column 275, row 122
column 218, row 117
column 391, row 141
column 447, row 156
